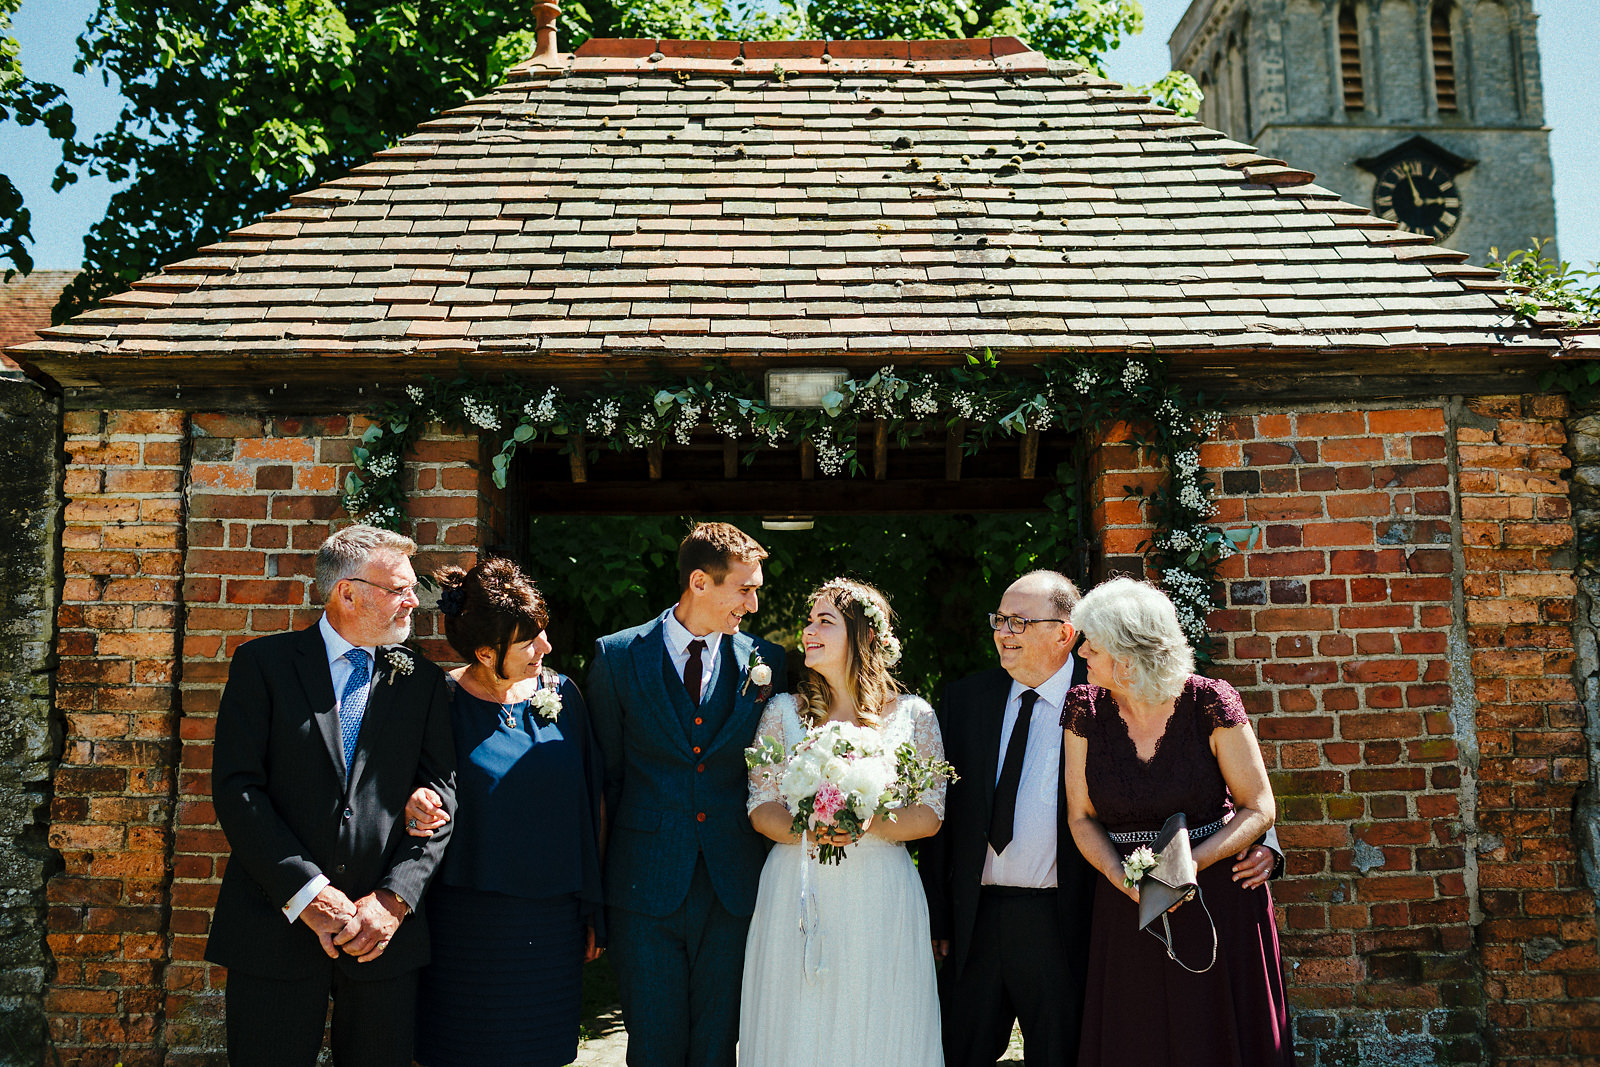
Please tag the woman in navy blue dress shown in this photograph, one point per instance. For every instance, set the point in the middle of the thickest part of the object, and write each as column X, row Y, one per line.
column 515, row 909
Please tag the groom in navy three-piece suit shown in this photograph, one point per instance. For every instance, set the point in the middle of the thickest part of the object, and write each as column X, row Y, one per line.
column 674, row 707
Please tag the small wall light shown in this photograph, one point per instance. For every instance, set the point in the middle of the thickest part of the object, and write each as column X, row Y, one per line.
column 802, row 387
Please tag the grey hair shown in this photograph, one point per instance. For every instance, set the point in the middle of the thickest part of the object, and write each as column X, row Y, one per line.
column 349, row 550
column 1064, row 596
column 1135, row 623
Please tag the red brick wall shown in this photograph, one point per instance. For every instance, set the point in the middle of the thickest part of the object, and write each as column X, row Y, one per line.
column 1424, row 739
column 237, row 505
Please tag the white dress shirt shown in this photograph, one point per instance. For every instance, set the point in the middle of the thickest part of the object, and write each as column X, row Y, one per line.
column 1030, row 859
column 678, row 638
column 340, row 668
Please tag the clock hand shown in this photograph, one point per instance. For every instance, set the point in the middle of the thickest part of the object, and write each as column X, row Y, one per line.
column 1416, row 198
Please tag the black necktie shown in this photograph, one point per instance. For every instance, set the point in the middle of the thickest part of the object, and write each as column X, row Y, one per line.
column 692, row 670
column 1005, row 791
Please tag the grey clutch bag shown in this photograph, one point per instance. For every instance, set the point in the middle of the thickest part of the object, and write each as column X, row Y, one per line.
column 1173, row 880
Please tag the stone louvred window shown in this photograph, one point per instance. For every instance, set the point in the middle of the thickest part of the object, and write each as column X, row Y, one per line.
column 1444, row 59
column 1355, row 91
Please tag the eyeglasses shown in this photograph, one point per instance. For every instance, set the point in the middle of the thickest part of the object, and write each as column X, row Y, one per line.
column 402, row 592
column 1015, row 624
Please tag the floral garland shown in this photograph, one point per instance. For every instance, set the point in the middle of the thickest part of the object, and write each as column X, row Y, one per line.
column 1075, row 393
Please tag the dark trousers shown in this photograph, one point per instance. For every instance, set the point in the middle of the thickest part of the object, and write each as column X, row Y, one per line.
column 276, row 1023
column 679, row 976
column 1015, row 972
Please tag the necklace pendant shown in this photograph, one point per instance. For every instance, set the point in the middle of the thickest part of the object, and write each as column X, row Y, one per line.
column 509, row 717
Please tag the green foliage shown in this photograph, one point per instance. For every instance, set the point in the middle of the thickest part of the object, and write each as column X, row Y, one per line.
column 941, row 574
column 26, row 102
column 1081, row 395
column 1573, row 294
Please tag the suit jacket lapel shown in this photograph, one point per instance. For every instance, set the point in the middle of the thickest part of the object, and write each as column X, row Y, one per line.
column 649, row 649
column 992, row 709
column 317, row 680
column 379, row 700
column 733, row 656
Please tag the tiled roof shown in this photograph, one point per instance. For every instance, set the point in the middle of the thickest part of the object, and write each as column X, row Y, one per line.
column 25, row 305
column 651, row 199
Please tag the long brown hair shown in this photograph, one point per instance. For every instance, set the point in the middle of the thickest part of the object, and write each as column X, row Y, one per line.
column 866, row 670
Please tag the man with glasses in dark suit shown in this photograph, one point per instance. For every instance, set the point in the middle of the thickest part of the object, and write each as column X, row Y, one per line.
column 1009, row 897
column 321, row 736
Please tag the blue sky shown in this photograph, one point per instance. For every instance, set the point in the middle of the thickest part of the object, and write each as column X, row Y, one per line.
column 46, row 29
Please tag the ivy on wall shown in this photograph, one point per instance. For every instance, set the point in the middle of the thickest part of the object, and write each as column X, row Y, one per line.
column 1078, row 394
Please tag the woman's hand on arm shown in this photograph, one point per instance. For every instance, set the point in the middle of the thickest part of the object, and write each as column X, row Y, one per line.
column 425, row 813
column 1087, row 832
column 774, row 821
column 1239, row 756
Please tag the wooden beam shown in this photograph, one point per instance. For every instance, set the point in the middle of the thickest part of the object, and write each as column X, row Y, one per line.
column 880, row 450
column 580, row 460
column 819, row 496
column 1028, row 456
column 952, row 449
column 808, row 459
column 652, row 457
column 730, row 458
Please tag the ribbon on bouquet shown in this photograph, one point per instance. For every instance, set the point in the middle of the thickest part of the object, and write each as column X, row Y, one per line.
column 810, row 918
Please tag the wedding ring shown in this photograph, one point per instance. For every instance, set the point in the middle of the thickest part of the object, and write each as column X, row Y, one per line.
column 411, row 824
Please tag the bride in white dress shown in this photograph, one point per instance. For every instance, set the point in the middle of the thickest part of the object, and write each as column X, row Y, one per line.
column 852, row 985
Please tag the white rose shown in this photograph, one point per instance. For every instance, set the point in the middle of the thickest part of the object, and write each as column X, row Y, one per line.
column 835, row 769
column 761, row 674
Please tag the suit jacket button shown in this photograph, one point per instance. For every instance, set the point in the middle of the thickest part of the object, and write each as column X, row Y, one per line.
column 339, row 869
column 700, row 768
column 698, row 720
column 697, row 750
column 700, row 817
column 348, row 814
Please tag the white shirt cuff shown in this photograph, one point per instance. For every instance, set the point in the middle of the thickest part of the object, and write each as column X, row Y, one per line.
column 307, row 894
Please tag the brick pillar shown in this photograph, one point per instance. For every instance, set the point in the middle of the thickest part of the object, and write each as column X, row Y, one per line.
column 1538, row 927
column 111, row 817
column 263, row 497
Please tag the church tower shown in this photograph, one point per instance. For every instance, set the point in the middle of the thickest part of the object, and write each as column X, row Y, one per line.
column 1429, row 112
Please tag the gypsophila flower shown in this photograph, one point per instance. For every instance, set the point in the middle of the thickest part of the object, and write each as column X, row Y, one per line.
column 688, row 419
column 385, row 516
column 1132, row 375
column 1195, row 499
column 480, row 413
column 831, row 455
column 924, row 405
column 1187, row 461
column 382, row 466
column 1085, row 380
column 415, row 393
column 603, row 419
column 399, row 663
column 1168, row 411
column 544, row 409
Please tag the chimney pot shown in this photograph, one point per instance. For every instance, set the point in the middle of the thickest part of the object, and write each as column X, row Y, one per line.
column 545, row 14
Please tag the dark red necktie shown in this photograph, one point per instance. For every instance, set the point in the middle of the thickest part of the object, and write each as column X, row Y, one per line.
column 693, row 669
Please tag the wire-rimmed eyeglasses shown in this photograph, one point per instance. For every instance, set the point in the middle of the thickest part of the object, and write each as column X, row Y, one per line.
column 402, row 591
column 1015, row 624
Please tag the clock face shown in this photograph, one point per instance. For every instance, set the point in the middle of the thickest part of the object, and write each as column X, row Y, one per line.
column 1420, row 195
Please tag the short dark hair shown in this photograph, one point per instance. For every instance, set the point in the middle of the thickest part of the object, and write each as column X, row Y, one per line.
column 712, row 547
column 1063, row 594
column 493, row 605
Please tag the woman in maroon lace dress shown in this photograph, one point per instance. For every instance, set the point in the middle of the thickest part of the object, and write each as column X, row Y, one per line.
column 1144, row 739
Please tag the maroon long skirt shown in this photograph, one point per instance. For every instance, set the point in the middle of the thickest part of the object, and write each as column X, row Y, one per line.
column 1142, row 1008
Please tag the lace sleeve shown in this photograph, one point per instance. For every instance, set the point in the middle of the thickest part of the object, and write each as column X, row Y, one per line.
column 930, row 745
column 1220, row 705
column 764, row 780
column 1077, row 709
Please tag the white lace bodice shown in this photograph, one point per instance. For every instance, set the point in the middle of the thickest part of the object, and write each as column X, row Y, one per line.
column 910, row 719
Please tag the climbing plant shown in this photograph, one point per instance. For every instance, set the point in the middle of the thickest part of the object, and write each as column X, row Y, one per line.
column 1078, row 394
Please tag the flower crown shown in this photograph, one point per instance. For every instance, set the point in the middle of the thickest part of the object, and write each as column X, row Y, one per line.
column 875, row 615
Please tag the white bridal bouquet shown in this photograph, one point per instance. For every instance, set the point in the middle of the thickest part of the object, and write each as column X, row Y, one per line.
column 845, row 776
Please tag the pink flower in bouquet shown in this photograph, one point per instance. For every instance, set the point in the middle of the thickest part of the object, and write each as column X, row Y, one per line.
column 830, row 798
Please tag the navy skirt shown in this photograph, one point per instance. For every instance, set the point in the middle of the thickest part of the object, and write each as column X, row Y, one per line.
column 506, row 983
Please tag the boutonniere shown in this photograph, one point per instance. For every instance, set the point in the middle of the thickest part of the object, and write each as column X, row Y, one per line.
column 546, row 703
column 400, row 662
column 1137, row 865
column 758, row 674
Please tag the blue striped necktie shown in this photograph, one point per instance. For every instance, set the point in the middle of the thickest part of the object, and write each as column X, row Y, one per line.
column 353, row 704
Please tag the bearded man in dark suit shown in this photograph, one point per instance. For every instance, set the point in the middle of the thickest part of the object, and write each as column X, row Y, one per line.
column 321, row 736
column 1009, row 897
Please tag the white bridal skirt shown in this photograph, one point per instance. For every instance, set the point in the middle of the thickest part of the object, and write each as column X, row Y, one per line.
column 838, row 968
